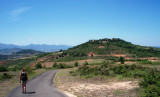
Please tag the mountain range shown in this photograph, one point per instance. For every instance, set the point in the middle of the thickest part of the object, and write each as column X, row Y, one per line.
column 10, row 48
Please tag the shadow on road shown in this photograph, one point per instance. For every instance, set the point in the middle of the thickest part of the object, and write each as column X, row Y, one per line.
column 30, row 92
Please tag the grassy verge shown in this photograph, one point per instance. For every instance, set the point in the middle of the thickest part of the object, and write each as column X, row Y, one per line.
column 7, row 85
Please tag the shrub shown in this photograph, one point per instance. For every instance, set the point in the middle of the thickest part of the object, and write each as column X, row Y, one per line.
column 83, row 70
column 103, row 69
column 151, row 84
column 119, row 69
column 38, row 65
column 54, row 65
column 3, row 69
column 76, row 64
column 5, row 76
column 62, row 65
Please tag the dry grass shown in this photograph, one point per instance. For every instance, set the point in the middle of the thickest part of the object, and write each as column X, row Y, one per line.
column 95, row 87
column 90, row 61
column 7, row 85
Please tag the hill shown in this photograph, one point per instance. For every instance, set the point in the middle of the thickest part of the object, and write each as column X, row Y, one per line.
column 28, row 52
column 20, row 54
column 111, row 47
column 9, row 51
column 37, row 47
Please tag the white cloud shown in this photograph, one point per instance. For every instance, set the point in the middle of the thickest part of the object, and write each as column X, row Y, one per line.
column 15, row 14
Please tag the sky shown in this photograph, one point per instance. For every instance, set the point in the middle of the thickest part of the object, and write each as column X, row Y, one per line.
column 72, row 22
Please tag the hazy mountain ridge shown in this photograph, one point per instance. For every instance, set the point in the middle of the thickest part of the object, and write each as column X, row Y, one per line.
column 157, row 47
column 37, row 47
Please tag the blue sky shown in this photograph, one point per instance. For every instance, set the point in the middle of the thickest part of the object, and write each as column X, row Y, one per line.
column 72, row 22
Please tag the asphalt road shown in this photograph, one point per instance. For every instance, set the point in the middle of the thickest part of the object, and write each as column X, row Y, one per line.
column 40, row 86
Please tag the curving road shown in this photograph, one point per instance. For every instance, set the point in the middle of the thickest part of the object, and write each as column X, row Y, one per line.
column 40, row 86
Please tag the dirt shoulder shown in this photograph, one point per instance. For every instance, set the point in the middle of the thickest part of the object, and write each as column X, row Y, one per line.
column 95, row 87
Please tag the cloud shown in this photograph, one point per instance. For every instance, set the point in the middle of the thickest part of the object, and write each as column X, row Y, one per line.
column 16, row 13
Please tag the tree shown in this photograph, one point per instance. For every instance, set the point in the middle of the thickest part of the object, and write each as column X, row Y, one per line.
column 122, row 60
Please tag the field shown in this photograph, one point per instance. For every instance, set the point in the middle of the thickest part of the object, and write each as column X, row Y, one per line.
column 75, row 83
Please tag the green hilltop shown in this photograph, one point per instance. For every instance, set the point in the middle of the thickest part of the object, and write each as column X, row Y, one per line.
column 114, row 46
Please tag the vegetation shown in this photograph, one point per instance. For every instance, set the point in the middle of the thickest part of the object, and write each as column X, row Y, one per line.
column 150, row 78
column 151, row 84
column 14, row 65
column 29, row 51
column 122, row 60
column 133, row 71
column 61, row 66
column 5, row 76
column 38, row 65
column 4, row 57
column 112, row 46
column 3, row 69
column 29, row 69
column 76, row 64
column 149, row 62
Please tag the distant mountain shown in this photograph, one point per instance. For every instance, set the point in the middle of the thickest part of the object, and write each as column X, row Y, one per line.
column 46, row 48
column 7, row 46
column 37, row 47
column 110, row 47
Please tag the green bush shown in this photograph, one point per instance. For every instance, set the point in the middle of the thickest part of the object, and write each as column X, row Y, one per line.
column 76, row 64
column 38, row 65
column 3, row 69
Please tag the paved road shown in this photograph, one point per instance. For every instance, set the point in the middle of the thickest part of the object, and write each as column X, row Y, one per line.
column 40, row 86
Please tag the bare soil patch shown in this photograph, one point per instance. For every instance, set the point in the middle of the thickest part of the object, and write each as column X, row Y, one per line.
column 95, row 87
